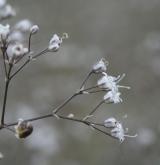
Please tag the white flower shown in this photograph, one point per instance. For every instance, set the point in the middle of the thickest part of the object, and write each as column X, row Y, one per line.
column 2, row 3
column 34, row 29
column 101, row 66
column 16, row 51
column 118, row 132
column 16, row 36
column 7, row 11
column 4, row 31
column 23, row 129
column 55, row 43
column 108, row 82
column 110, row 122
column 24, row 25
column 113, row 96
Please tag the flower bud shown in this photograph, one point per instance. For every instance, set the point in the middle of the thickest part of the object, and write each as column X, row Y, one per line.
column 110, row 122
column 34, row 29
column 23, row 129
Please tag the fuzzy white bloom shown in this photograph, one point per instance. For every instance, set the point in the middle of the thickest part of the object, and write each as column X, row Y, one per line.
column 118, row 132
column 7, row 11
column 110, row 122
column 55, row 43
column 113, row 96
column 4, row 31
column 24, row 25
column 2, row 3
column 34, row 29
column 108, row 82
column 16, row 51
column 16, row 36
column 100, row 67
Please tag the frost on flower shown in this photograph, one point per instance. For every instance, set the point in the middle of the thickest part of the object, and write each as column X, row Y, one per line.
column 7, row 11
column 100, row 67
column 110, row 122
column 107, row 82
column 24, row 25
column 113, row 96
column 4, row 32
column 118, row 132
column 16, row 36
column 16, row 51
column 54, row 43
column 34, row 29
column 2, row 3
column 23, row 129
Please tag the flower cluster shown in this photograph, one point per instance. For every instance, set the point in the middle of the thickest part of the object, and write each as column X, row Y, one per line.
column 15, row 45
column 13, row 41
column 117, row 130
column 108, row 83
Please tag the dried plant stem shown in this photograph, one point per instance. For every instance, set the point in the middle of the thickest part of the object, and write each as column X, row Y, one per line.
column 88, row 123
column 56, row 110
column 6, row 93
column 4, row 63
column 29, row 42
column 27, row 61
column 85, row 80
column 98, row 105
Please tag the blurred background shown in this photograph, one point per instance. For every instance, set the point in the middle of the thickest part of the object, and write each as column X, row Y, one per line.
column 127, row 34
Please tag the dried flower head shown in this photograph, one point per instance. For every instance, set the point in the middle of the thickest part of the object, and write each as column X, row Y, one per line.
column 113, row 96
column 23, row 129
column 100, row 67
column 4, row 31
column 118, row 132
column 24, row 25
column 110, row 122
column 34, row 29
column 16, row 51
column 54, row 43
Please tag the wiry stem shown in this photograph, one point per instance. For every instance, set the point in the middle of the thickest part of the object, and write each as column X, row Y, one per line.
column 5, row 94
column 98, row 105
column 27, row 61
column 56, row 110
column 85, row 80
column 88, row 123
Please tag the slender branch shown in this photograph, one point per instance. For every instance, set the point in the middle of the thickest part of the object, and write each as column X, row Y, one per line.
column 4, row 63
column 5, row 94
column 27, row 61
column 88, row 123
column 85, row 80
column 56, row 110
column 29, row 42
column 96, row 108
column 16, row 72
column 40, row 53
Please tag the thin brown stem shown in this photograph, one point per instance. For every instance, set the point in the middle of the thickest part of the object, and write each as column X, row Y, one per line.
column 27, row 61
column 94, row 110
column 85, row 80
column 5, row 94
column 56, row 110
column 29, row 42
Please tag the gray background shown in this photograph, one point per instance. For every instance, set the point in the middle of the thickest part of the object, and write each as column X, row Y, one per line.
column 127, row 34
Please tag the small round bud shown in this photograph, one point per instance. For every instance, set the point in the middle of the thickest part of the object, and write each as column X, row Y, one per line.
column 110, row 122
column 34, row 29
column 23, row 129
